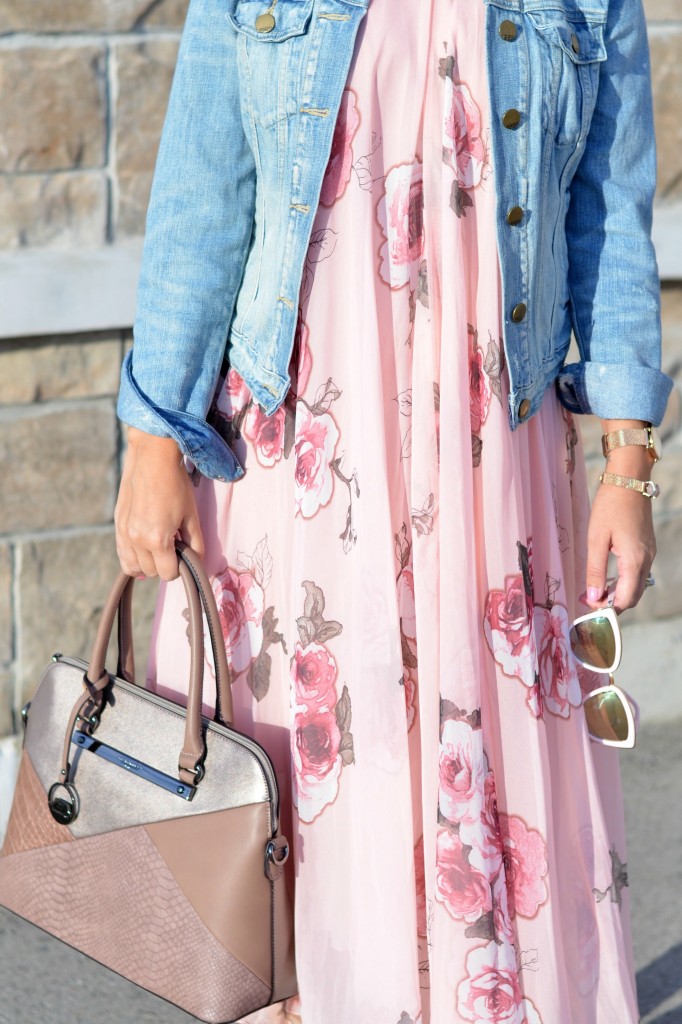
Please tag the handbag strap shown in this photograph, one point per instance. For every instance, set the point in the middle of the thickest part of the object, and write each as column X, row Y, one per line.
column 126, row 657
column 199, row 593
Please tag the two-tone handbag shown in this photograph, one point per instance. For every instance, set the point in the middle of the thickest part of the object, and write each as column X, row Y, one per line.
column 147, row 836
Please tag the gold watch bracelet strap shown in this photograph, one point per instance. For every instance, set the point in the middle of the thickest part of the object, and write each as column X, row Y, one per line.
column 646, row 487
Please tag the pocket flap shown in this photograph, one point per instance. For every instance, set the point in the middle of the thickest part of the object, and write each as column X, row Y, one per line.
column 288, row 18
column 582, row 41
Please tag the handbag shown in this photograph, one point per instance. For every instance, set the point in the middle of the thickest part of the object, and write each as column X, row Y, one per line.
column 147, row 836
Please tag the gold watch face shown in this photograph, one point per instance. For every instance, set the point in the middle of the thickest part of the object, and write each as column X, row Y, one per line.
column 655, row 442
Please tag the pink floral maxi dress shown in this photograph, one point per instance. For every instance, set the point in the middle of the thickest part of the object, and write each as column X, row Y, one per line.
column 396, row 573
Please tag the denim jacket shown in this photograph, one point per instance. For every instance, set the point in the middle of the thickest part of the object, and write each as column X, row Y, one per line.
column 244, row 148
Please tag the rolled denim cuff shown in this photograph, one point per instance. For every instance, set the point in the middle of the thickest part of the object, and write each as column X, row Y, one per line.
column 626, row 391
column 195, row 437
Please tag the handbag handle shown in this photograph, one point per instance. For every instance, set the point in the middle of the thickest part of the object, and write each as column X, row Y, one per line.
column 126, row 658
column 199, row 593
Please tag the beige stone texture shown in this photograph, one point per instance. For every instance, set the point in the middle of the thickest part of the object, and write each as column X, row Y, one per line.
column 90, row 15
column 59, row 210
column 6, row 694
column 671, row 313
column 666, row 75
column 53, row 110
column 59, row 465
column 63, row 584
column 145, row 72
column 662, row 10
column 5, row 604
column 38, row 369
column 134, row 189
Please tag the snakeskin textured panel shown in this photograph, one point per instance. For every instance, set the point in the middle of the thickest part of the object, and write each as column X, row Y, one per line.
column 113, row 897
column 30, row 823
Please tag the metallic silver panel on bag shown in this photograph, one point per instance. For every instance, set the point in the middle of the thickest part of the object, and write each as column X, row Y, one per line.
column 112, row 798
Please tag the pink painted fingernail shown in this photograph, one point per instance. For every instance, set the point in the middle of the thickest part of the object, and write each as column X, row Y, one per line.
column 593, row 593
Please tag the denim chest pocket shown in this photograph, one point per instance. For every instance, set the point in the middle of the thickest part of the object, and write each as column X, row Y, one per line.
column 572, row 52
column 270, row 22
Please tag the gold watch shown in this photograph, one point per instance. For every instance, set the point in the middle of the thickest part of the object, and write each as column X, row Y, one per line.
column 647, row 436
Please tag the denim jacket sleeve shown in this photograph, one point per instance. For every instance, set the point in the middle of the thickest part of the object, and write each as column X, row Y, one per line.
column 613, row 276
column 198, row 229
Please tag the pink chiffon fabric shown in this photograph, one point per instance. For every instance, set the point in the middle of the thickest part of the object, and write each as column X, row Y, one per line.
column 396, row 574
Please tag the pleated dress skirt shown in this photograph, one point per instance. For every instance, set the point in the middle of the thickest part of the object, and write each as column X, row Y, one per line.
column 396, row 573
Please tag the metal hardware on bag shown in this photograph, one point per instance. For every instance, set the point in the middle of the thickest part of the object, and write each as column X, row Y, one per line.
column 199, row 772
column 273, row 848
column 132, row 765
column 57, row 656
column 91, row 720
column 60, row 809
column 24, row 713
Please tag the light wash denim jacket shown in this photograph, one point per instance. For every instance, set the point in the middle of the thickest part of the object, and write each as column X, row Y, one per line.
column 244, row 148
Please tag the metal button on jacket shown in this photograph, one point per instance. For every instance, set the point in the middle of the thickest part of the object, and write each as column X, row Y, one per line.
column 524, row 409
column 518, row 312
column 265, row 22
column 511, row 118
column 515, row 215
column 575, row 43
column 508, row 31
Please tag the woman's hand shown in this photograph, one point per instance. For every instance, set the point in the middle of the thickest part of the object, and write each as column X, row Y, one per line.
column 155, row 505
column 621, row 521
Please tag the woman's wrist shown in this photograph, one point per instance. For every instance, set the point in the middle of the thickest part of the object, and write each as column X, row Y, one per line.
column 161, row 447
column 629, row 459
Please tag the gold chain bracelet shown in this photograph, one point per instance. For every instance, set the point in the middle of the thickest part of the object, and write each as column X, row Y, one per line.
column 646, row 487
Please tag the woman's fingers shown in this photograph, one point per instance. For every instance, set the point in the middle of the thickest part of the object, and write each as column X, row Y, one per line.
column 620, row 521
column 598, row 542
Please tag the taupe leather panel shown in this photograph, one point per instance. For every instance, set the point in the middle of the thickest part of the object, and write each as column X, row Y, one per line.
column 112, row 797
column 132, row 918
column 30, row 823
column 285, row 983
column 217, row 860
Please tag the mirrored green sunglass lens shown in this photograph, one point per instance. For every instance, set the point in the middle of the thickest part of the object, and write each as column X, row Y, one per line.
column 606, row 717
column 594, row 642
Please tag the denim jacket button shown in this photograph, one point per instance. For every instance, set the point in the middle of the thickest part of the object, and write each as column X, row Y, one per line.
column 511, row 118
column 508, row 31
column 575, row 43
column 518, row 312
column 265, row 22
column 524, row 409
column 515, row 215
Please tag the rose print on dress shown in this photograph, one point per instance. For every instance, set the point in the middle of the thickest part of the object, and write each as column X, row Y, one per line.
column 461, row 887
column 266, row 433
column 508, row 628
column 337, row 174
column 400, row 215
column 525, row 862
column 462, row 770
column 248, row 626
column 314, row 448
column 479, row 386
column 464, row 149
column 491, row 991
column 408, row 622
column 322, row 742
column 557, row 666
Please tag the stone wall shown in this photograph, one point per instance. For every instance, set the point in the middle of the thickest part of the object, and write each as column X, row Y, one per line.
column 84, row 86
column 61, row 449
